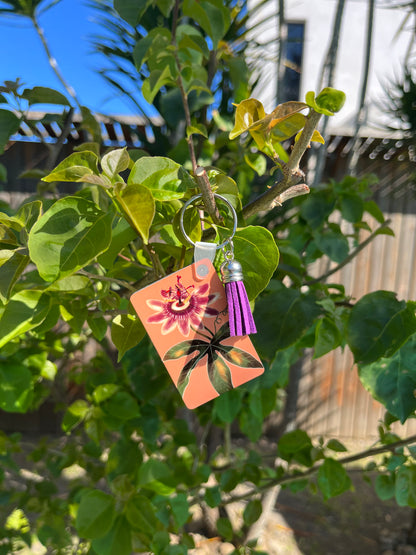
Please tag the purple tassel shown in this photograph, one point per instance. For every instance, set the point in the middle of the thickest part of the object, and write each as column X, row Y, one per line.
column 241, row 319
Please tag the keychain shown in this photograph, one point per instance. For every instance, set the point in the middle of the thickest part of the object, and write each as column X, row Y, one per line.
column 186, row 315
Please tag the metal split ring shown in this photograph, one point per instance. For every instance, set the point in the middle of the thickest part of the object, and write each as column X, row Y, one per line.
column 229, row 205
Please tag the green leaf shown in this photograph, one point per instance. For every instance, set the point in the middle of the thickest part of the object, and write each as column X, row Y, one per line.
column 139, row 205
column 156, row 80
column 12, row 264
column 225, row 529
column 166, row 179
column 327, row 337
column 352, row 207
column 24, row 311
column 212, row 15
column 75, row 167
column 126, row 332
column 95, row 514
column 252, row 512
column 405, row 486
column 327, row 102
column 213, row 496
column 16, row 387
column 196, row 129
column 115, row 162
column 385, row 486
column 392, row 381
column 372, row 208
column 333, row 244
column 131, row 10
column 331, row 99
column 248, row 112
column 98, row 326
column 44, row 95
column 104, row 391
column 117, row 541
column 296, row 446
column 336, row 445
column 379, row 324
column 122, row 405
column 257, row 252
column 180, row 509
column 257, row 162
column 333, row 478
column 9, row 125
column 74, row 415
column 141, row 515
column 227, row 406
column 68, row 237
column 282, row 317
column 157, row 476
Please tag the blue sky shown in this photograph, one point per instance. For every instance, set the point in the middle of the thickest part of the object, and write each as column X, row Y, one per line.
column 67, row 27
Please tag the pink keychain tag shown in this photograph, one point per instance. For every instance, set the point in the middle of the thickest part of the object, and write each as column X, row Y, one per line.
column 186, row 317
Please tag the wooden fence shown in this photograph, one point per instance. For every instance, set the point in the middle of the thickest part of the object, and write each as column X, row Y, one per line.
column 331, row 398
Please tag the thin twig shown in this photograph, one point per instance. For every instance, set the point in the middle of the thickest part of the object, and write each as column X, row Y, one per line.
column 120, row 282
column 287, row 478
column 350, row 257
column 53, row 63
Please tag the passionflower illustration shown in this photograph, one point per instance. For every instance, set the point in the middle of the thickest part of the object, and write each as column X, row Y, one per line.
column 182, row 307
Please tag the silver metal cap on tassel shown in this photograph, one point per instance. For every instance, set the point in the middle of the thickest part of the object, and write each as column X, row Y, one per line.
column 231, row 270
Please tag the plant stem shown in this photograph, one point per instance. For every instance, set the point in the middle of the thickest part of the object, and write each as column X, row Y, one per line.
column 53, row 63
column 354, row 253
column 199, row 172
column 291, row 172
column 120, row 282
column 287, row 478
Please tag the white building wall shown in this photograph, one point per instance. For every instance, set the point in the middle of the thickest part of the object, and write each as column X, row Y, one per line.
column 389, row 49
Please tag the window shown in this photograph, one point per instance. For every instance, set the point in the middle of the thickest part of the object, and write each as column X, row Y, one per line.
column 289, row 89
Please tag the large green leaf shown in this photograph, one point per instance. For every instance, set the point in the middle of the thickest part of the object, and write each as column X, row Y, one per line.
column 25, row 310
column 296, row 446
column 282, row 317
column 212, row 15
column 257, row 252
column 95, row 514
column 141, row 515
column 44, row 95
column 405, row 486
column 139, row 205
column 12, row 264
column 392, row 381
column 333, row 478
column 16, row 387
column 157, row 476
column 379, row 324
column 9, row 125
column 75, row 167
column 126, row 332
column 117, row 541
column 165, row 178
column 70, row 235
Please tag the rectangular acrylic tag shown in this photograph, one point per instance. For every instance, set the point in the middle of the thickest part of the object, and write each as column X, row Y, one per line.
column 186, row 317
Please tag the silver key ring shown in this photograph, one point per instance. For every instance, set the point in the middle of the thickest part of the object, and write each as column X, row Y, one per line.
column 229, row 205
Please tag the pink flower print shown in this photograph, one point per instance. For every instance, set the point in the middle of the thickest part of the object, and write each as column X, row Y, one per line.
column 182, row 307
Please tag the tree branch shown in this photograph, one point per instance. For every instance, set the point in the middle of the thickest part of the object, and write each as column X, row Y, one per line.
column 291, row 172
column 354, row 253
column 287, row 478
